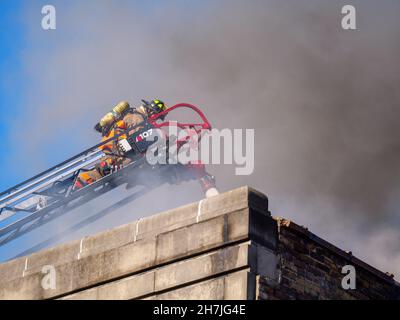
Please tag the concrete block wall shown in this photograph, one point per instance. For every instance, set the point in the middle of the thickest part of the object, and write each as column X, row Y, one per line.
column 205, row 244
column 225, row 247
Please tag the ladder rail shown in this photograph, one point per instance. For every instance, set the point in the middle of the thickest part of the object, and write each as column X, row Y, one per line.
column 50, row 173
column 48, row 179
column 80, row 155
column 83, row 153
column 89, row 192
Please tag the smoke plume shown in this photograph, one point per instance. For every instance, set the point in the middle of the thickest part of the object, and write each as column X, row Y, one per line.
column 324, row 102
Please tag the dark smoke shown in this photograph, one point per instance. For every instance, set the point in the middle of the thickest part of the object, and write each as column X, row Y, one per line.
column 324, row 102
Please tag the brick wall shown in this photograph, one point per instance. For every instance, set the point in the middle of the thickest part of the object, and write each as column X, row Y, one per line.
column 310, row 268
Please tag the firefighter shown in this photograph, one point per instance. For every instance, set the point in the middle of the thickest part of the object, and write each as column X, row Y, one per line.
column 113, row 123
column 121, row 118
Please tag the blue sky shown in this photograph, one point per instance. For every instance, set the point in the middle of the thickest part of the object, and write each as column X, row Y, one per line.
column 12, row 85
column 12, row 42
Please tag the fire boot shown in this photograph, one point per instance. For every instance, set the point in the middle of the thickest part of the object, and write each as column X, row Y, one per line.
column 207, row 183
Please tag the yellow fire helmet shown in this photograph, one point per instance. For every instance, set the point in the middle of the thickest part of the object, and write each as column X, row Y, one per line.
column 157, row 105
column 120, row 108
column 107, row 119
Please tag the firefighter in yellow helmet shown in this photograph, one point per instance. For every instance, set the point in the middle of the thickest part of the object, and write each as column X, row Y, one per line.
column 120, row 118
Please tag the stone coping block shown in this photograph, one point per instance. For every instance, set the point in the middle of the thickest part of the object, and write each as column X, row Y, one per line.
column 175, row 275
column 234, row 200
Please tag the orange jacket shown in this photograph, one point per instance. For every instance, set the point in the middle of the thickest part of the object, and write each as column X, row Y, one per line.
column 117, row 127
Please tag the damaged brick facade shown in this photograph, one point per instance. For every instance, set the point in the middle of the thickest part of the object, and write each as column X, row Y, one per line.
column 311, row 268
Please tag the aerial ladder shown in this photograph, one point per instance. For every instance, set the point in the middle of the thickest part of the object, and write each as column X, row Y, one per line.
column 50, row 194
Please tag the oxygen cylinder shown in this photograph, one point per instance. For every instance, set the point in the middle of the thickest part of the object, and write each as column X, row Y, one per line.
column 108, row 119
column 120, row 109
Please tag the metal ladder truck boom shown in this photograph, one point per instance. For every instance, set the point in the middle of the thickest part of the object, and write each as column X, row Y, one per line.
column 48, row 195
